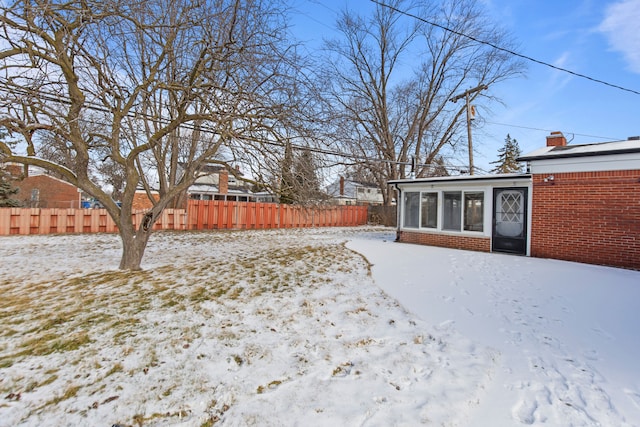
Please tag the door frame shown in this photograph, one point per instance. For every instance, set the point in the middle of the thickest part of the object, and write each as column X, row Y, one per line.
column 516, row 245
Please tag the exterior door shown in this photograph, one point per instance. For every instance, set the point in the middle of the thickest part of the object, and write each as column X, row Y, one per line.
column 509, row 220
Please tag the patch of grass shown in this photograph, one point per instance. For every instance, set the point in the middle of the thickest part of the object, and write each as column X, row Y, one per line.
column 71, row 343
column 57, row 320
column 6, row 362
column 227, row 336
column 153, row 358
column 236, row 292
column 125, row 327
column 220, row 291
column 199, row 294
column 40, row 345
column 272, row 385
column 8, row 332
column 36, row 384
column 71, row 391
column 170, row 298
column 114, row 369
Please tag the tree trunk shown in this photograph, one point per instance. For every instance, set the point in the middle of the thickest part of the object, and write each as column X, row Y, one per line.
column 134, row 242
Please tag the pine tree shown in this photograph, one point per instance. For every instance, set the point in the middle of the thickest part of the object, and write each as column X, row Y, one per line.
column 507, row 156
column 307, row 182
column 287, row 182
column 6, row 188
column 6, row 191
column 299, row 182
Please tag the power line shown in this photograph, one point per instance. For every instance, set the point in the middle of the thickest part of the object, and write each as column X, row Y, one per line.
column 59, row 98
column 314, row 19
column 607, row 138
column 55, row 98
column 502, row 49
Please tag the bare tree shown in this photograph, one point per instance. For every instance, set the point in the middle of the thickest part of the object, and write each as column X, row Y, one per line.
column 156, row 88
column 391, row 112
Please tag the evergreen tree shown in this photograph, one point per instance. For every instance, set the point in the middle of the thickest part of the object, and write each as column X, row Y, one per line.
column 287, row 182
column 6, row 188
column 6, row 191
column 299, row 183
column 507, row 156
column 307, row 182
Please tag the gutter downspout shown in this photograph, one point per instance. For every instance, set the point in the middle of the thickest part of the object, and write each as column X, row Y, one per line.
column 398, row 210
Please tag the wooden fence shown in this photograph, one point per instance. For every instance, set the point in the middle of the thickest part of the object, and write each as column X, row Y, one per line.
column 207, row 215
column 199, row 215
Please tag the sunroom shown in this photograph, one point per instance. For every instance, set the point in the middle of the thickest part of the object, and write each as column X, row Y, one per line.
column 487, row 213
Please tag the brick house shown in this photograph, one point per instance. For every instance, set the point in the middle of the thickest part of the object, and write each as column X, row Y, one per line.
column 40, row 190
column 576, row 202
column 216, row 183
column 352, row 192
column 586, row 201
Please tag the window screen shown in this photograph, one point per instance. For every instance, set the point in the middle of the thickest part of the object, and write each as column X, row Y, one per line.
column 411, row 209
column 452, row 211
column 429, row 211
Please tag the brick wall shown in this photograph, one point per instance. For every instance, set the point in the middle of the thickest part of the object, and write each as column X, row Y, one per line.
column 482, row 244
column 141, row 200
column 52, row 192
column 591, row 217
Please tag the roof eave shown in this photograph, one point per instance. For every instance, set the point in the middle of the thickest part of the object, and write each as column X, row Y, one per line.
column 566, row 155
column 470, row 178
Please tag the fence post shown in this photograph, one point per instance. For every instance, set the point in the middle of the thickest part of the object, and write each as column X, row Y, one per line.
column 5, row 221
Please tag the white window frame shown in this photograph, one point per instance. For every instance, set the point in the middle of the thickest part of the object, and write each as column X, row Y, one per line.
column 440, row 192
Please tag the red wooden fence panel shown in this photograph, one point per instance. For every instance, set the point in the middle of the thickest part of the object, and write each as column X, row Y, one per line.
column 215, row 214
column 199, row 215
column 54, row 220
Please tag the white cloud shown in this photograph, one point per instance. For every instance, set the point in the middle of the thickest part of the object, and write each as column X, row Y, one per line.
column 621, row 28
column 560, row 79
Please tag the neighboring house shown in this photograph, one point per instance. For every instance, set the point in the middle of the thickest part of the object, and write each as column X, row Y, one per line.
column 141, row 200
column 350, row 192
column 40, row 190
column 576, row 202
column 216, row 183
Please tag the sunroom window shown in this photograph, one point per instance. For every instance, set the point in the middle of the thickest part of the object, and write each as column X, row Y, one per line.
column 411, row 209
column 429, row 210
column 452, row 211
column 458, row 210
column 474, row 211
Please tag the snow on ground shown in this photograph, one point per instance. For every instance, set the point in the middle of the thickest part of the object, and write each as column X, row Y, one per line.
column 566, row 334
column 319, row 327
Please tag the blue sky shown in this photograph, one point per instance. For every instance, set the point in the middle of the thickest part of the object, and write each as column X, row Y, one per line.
column 596, row 38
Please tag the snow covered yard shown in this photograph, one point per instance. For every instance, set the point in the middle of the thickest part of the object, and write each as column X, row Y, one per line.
column 296, row 327
column 565, row 335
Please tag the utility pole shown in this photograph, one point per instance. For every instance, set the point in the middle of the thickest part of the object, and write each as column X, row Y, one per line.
column 465, row 95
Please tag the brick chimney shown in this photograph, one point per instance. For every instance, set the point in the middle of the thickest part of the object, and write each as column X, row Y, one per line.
column 342, row 185
column 16, row 171
column 223, row 182
column 556, row 139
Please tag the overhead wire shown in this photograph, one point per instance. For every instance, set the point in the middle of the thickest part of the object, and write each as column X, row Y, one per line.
column 502, row 49
column 607, row 138
column 52, row 97
column 95, row 107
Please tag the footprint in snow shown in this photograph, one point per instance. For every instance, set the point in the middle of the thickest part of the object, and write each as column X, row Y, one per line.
column 525, row 411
